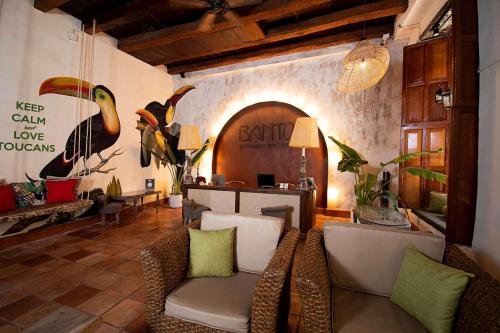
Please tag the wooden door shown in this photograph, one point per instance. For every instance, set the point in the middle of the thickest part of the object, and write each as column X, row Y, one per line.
column 425, row 123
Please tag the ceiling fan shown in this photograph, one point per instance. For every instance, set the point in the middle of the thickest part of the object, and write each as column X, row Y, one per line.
column 223, row 8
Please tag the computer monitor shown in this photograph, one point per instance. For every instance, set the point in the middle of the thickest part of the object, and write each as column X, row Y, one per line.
column 265, row 181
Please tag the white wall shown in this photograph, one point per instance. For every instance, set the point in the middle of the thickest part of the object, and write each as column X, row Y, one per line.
column 35, row 46
column 486, row 242
column 416, row 18
column 369, row 120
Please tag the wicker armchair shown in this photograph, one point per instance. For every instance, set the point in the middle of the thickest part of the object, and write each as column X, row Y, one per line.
column 479, row 310
column 165, row 265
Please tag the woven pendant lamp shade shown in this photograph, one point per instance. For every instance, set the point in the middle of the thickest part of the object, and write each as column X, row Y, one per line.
column 364, row 66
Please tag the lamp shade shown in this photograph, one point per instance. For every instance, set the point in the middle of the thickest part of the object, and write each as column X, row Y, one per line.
column 189, row 138
column 363, row 67
column 305, row 133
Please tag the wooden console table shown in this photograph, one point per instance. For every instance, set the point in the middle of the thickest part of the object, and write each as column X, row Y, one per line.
column 236, row 198
column 136, row 195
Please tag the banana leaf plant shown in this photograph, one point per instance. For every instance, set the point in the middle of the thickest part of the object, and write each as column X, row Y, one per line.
column 165, row 153
column 365, row 186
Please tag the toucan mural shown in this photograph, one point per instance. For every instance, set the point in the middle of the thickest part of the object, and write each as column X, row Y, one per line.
column 104, row 129
column 162, row 116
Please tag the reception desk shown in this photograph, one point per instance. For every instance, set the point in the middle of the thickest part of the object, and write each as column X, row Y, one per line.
column 237, row 198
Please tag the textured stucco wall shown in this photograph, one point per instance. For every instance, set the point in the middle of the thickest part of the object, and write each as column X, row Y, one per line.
column 369, row 121
column 486, row 242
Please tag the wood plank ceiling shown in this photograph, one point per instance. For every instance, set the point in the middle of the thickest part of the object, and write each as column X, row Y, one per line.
column 158, row 32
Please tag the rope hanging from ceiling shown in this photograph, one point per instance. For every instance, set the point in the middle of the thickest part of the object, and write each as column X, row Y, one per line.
column 86, row 47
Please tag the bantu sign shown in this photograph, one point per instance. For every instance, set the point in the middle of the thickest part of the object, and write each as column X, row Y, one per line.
column 256, row 141
column 268, row 135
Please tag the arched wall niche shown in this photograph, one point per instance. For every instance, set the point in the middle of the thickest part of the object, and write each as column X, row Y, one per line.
column 255, row 140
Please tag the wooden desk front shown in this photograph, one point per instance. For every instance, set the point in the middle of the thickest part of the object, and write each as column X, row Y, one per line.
column 249, row 200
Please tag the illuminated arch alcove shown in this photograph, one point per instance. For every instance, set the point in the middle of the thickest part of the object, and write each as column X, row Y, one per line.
column 255, row 140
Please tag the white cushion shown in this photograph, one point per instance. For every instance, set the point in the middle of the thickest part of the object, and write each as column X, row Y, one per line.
column 256, row 237
column 223, row 303
column 368, row 258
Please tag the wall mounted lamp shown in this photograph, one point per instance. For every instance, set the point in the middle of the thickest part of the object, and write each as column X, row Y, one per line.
column 443, row 97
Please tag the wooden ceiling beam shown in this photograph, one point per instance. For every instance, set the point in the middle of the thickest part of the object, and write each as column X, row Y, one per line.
column 302, row 46
column 341, row 18
column 366, row 12
column 46, row 5
column 117, row 16
column 272, row 9
column 250, row 32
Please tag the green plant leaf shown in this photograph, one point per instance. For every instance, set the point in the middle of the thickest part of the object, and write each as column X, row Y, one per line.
column 371, row 181
column 199, row 153
column 170, row 154
column 350, row 152
column 351, row 161
column 408, row 157
column 427, row 174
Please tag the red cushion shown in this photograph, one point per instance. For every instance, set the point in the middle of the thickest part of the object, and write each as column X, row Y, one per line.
column 7, row 201
column 61, row 190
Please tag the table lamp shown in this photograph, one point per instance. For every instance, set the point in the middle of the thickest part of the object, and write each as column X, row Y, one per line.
column 189, row 140
column 304, row 135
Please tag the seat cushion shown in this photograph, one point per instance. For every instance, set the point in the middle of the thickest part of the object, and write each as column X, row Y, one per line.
column 218, row 302
column 368, row 258
column 358, row 312
column 438, row 221
column 256, row 237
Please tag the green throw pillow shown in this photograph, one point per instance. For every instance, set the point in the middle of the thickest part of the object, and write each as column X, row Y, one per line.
column 429, row 291
column 211, row 252
column 444, row 210
column 437, row 201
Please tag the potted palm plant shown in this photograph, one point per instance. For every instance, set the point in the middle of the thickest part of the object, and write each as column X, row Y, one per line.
column 366, row 187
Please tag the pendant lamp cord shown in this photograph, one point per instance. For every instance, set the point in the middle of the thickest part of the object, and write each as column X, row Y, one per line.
column 364, row 22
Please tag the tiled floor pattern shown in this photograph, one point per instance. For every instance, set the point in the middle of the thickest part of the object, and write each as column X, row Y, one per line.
column 94, row 272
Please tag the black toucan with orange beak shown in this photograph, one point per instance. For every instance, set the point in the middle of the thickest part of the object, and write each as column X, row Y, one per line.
column 104, row 126
column 163, row 115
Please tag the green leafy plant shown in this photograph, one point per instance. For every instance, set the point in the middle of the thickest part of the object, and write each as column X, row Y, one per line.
column 365, row 187
column 165, row 154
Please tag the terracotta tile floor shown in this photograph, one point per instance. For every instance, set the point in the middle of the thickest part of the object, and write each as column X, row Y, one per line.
column 95, row 271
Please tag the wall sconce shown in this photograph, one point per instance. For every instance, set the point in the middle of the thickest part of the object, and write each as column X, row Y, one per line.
column 443, row 97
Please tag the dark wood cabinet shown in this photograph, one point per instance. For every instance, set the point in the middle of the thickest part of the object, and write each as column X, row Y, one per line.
column 425, row 123
column 447, row 63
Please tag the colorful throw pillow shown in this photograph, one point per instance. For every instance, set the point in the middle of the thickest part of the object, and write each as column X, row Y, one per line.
column 32, row 193
column 211, row 252
column 437, row 201
column 61, row 190
column 7, row 201
column 429, row 291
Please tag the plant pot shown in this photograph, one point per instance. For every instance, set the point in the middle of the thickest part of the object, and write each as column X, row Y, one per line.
column 175, row 200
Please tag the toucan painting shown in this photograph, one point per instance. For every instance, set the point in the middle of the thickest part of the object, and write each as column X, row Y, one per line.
column 104, row 128
column 162, row 116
